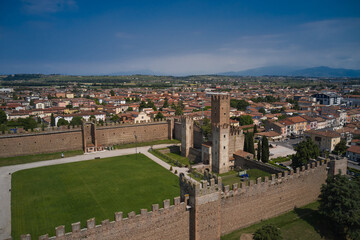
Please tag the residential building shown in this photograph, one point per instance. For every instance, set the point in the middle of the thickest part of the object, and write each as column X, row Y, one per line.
column 325, row 139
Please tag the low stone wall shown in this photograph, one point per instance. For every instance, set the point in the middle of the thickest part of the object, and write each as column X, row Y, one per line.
column 244, row 163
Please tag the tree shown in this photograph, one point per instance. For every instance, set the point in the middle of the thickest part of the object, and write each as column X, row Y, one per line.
column 52, row 120
column 262, row 110
column 166, row 103
column 92, row 117
column 244, row 120
column 265, row 153
column 305, row 151
column 340, row 148
column 3, row 117
column 250, row 144
column 258, row 156
column 255, row 129
column 76, row 121
column 115, row 118
column 340, row 202
column 32, row 103
column 267, row 232
column 62, row 122
column 28, row 123
column 3, row 128
column 129, row 109
column 159, row 115
column 178, row 111
column 239, row 104
column 112, row 93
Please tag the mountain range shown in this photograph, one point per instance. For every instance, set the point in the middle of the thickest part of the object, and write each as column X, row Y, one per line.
column 296, row 71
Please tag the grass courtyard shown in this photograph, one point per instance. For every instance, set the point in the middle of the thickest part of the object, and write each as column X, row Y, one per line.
column 46, row 197
column 37, row 157
column 233, row 177
column 300, row 224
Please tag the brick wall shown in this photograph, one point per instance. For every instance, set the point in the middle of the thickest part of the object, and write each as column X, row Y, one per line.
column 45, row 142
column 122, row 134
column 71, row 139
column 250, row 204
column 169, row 222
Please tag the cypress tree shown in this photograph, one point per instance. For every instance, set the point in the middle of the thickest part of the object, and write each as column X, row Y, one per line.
column 52, row 120
column 265, row 150
column 259, row 151
column 246, row 142
column 251, row 148
column 255, row 129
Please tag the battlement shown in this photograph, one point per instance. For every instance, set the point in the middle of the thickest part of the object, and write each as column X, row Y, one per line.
column 52, row 130
column 235, row 131
column 119, row 224
column 220, row 126
column 259, row 186
column 212, row 184
column 64, row 129
column 186, row 118
column 220, row 96
column 112, row 124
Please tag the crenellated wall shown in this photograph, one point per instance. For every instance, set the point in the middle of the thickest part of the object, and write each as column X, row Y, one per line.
column 63, row 139
column 43, row 142
column 208, row 210
column 246, row 205
column 169, row 222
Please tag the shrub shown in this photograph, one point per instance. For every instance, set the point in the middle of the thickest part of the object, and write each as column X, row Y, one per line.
column 268, row 232
column 175, row 171
column 171, row 168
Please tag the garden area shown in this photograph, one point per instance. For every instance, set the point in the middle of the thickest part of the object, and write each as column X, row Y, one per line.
column 46, row 197
column 172, row 156
column 300, row 224
column 232, row 177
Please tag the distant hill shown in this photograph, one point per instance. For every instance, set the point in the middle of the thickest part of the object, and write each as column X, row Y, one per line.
column 296, row 71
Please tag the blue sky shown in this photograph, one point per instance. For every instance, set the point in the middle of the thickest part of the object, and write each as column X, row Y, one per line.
column 176, row 37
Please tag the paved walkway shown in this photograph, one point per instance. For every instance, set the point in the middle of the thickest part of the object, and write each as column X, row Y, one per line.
column 5, row 177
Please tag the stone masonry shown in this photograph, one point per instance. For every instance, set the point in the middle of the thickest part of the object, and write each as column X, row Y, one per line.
column 208, row 210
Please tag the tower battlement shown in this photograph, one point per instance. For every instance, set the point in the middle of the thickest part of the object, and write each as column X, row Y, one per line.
column 235, row 131
column 196, row 189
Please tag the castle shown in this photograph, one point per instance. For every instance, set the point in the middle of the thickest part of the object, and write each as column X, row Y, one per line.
column 205, row 210
column 225, row 139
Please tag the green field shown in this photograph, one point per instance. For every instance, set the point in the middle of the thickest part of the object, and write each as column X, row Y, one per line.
column 229, row 179
column 46, row 197
column 300, row 224
column 37, row 157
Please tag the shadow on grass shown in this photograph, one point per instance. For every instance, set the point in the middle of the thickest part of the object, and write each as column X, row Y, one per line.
column 323, row 226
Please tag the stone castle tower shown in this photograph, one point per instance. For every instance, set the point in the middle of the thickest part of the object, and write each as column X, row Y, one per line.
column 187, row 135
column 220, row 111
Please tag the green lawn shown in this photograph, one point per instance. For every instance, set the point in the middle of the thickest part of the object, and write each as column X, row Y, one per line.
column 37, row 157
column 178, row 157
column 300, row 224
column 174, row 159
column 142, row 144
column 46, row 197
column 229, row 179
